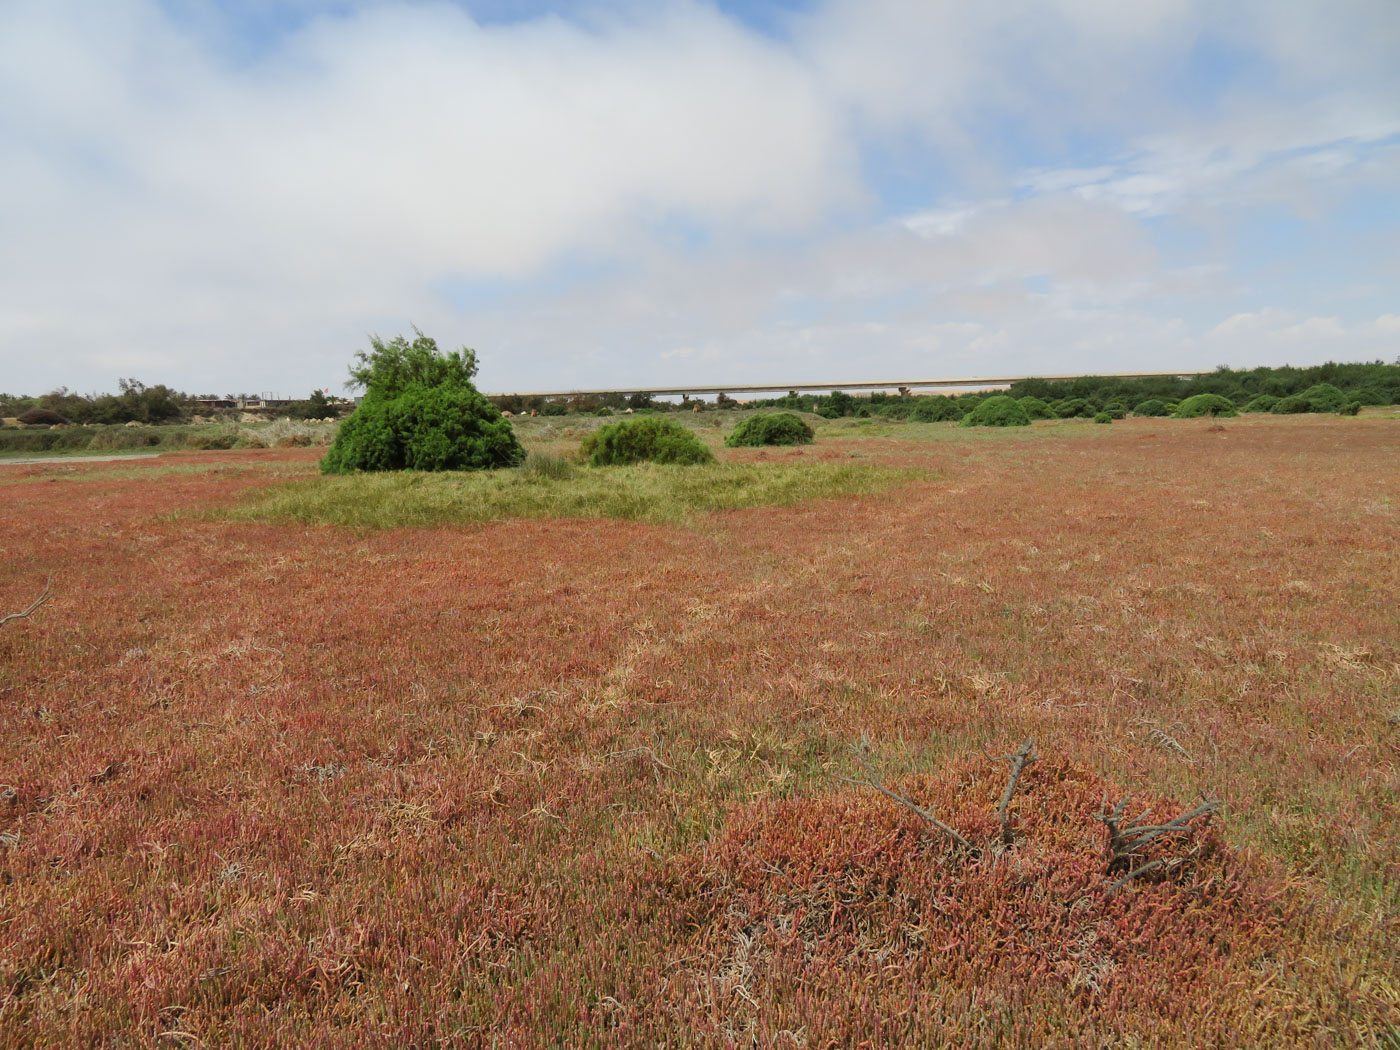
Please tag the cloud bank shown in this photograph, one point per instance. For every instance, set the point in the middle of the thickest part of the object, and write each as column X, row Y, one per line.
column 624, row 193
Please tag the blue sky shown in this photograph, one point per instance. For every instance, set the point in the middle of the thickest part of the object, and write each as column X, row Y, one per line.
column 230, row 196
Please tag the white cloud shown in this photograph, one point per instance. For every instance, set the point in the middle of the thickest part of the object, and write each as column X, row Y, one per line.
column 218, row 216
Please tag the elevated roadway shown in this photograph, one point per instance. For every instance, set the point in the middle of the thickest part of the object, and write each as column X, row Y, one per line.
column 863, row 385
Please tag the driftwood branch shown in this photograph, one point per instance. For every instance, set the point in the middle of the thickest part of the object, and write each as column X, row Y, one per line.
column 1128, row 838
column 32, row 605
column 1023, row 756
column 873, row 781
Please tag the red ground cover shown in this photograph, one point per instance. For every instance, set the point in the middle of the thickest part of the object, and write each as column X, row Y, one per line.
column 575, row 782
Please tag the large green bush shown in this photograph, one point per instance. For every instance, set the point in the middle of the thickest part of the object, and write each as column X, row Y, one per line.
column 1151, row 408
column 1205, row 405
column 1291, row 406
column 654, row 439
column 936, row 409
column 1035, row 408
column 775, row 428
column 999, row 411
column 1324, row 397
column 1072, row 408
column 421, row 411
column 1262, row 403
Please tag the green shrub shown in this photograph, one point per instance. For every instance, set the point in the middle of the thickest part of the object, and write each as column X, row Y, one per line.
column 1291, row 406
column 1035, row 408
column 1072, row 408
column 937, row 409
column 421, row 411
column 1369, row 395
column 1205, row 405
column 42, row 417
column 1114, row 410
column 1151, row 408
column 1324, row 397
column 19, row 441
column 1262, row 403
column 836, row 404
column 999, row 411
column 654, row 439
column 1350, row 409
column 1104, row 417
column 775, row 428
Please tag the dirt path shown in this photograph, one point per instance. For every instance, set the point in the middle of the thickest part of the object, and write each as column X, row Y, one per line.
column 31, row 460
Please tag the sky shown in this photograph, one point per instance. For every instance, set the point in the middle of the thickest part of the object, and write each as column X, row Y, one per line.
column 233, row 197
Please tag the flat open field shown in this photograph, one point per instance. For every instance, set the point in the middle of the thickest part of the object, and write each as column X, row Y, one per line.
column 569, row 781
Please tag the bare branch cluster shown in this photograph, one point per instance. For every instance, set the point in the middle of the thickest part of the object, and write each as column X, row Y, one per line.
column 1128, row 837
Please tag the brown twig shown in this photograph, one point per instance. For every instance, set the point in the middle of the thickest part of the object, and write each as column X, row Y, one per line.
column 1127, row 838
column 1024, row 756
column 914, row 807
column 1151, row 865
column 32, row 605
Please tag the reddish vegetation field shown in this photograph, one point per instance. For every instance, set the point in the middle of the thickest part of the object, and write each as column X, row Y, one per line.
column 578, row 783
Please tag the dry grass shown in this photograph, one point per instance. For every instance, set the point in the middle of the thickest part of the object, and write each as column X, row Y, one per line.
column 575, row 782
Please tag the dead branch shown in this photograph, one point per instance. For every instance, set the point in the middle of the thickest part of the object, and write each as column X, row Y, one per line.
column 1127, row 838
column 1024, row 756
column 32, row 605
column 1151, row 865
column 874, row 781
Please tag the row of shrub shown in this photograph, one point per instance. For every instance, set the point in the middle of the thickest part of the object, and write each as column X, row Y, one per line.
column 138, row 403
column 171, row 438
column 656, row 439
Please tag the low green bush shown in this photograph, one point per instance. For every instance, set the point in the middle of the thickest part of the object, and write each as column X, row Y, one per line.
column 1114, row 410
column 1324, row 397
column 1150, row 408
column 999, row 411
column 936, row 409
column 775, row 428
column 20, row 442
column 1291, row 406
column 1072, row 408
column 1104, row 417
column 654, row 439
column 1369, row 395
column 1262, row 403
column 43, row 417
column 1350, row 409
column 1035, row 408
column 1205, row 405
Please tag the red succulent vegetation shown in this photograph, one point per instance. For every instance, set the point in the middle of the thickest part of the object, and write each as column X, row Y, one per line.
column 577, row 782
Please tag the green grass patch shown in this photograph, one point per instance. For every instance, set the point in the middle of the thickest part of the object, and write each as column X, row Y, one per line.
column 643, row 492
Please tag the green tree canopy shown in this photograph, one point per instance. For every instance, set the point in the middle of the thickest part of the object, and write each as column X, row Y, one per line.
column 420, row 411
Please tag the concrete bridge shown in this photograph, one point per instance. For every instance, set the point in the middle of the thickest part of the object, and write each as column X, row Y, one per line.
column 901, row 385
